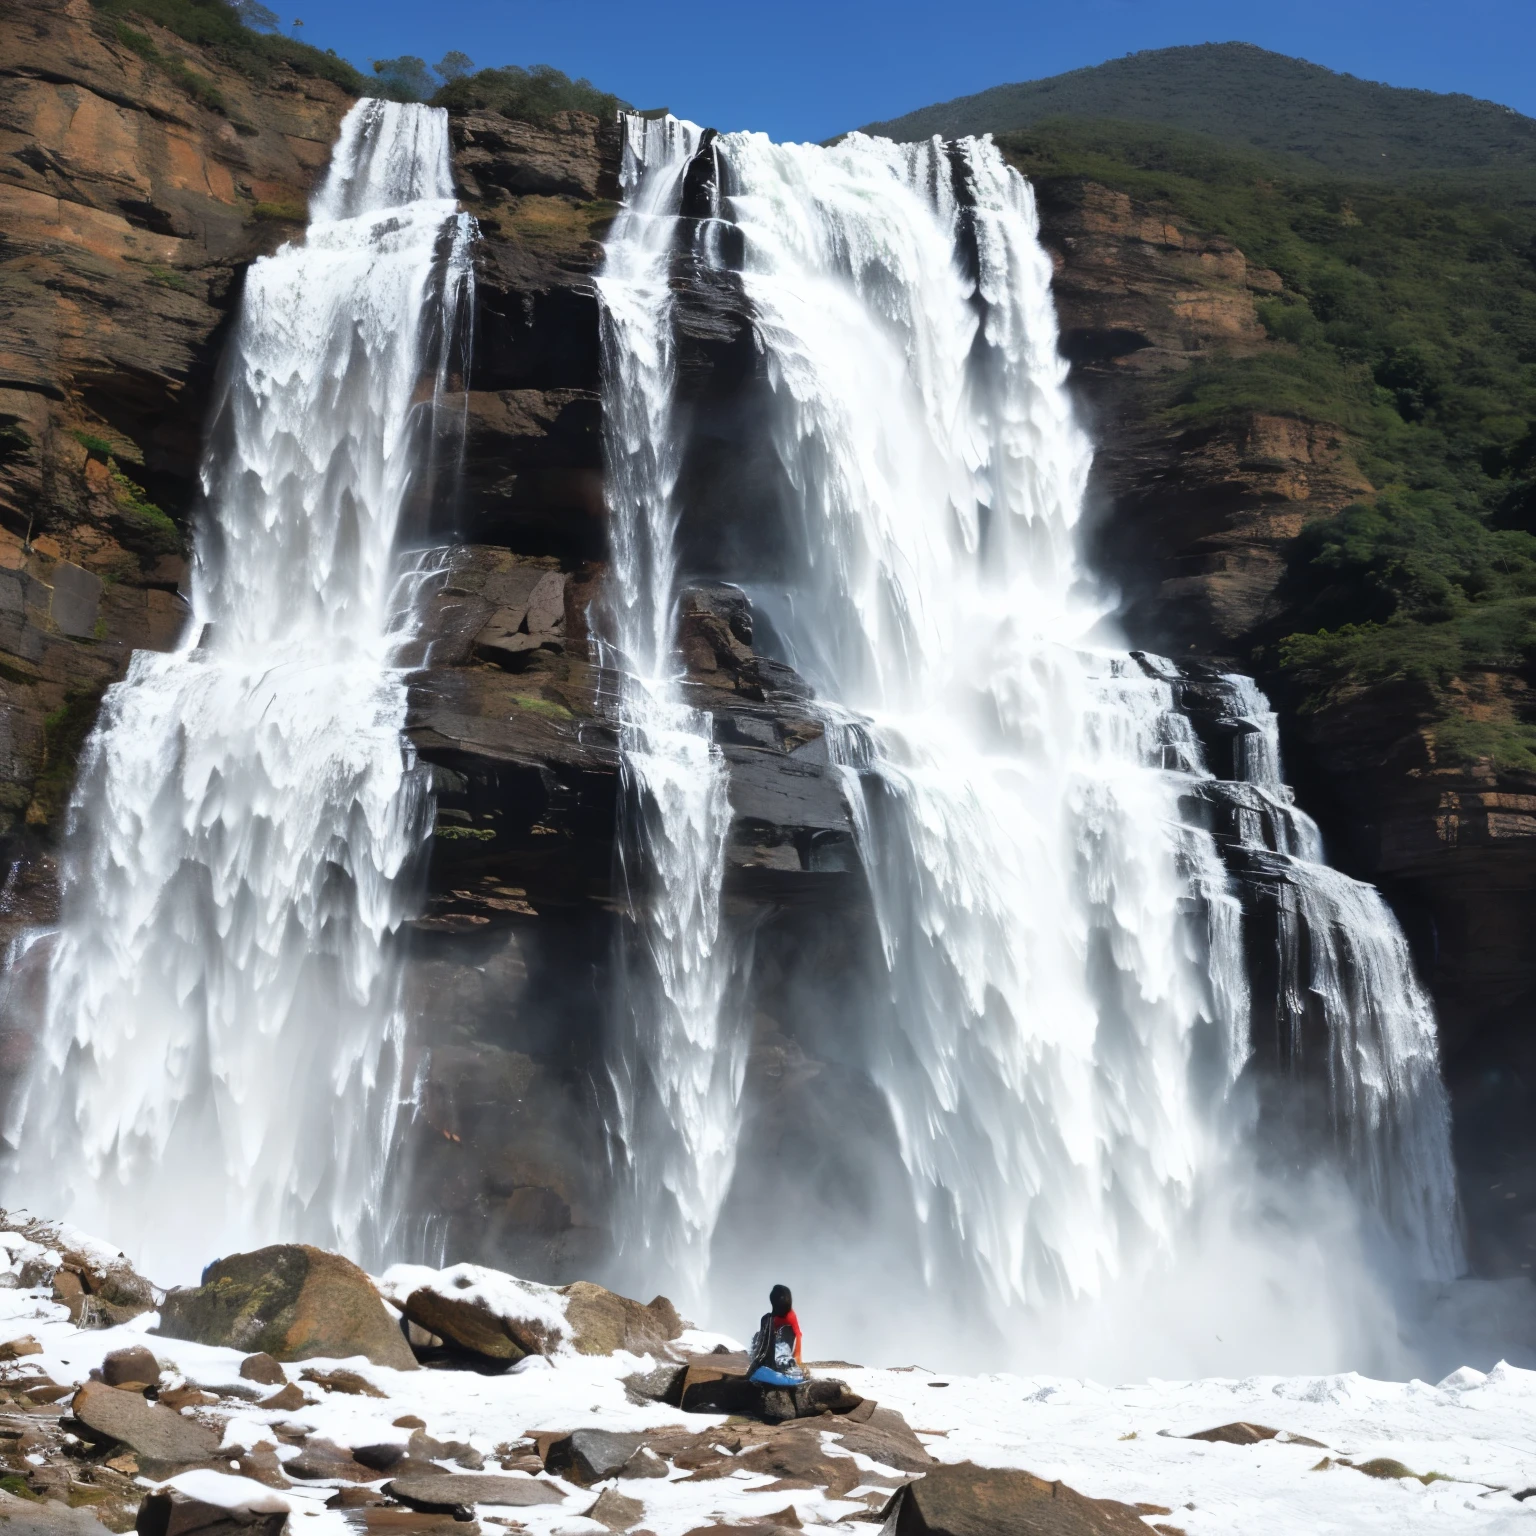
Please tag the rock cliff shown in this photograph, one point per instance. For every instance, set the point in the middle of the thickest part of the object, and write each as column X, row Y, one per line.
column 1192, row 525
column 129, row 209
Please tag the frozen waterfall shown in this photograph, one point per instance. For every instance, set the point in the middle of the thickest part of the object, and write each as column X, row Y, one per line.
column 220, row 1058
column 1063, row 1037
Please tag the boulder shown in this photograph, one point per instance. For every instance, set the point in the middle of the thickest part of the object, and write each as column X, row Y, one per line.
column 457, row 1493
column 616, row 1511
column 466, row 1325
column 602, row 1321
column 212, row 1504
column 348, row 1383
column 644, row 1463
column 381, row 1455
column 132, row 1366
column 587, row 1456
column 423, row 1448
column 1240, row 1433
column 290, row 1301
column 967, row 1500
column 324, row 1460
column 101, row 1289
column 158, row 1437
column 663, row 1384
column 718, row 1384
column 264, row 1369
column 484, row 1311
column 288, row 1399
column 16, row 1349
column 23, row 1517
column 883, row 1436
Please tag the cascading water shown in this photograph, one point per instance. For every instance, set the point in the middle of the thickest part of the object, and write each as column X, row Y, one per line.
column 1345, row 987
column 1065, row 1017
column 223, row 1024
column 677, row 1066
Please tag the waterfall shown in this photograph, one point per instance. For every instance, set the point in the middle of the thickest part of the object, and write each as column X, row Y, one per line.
column 1064, row 1029
column 1346, row 990
column 219, row 1064
column 677, row 1065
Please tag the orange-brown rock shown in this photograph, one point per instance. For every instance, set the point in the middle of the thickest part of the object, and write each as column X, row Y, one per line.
column 292, row 1302
column 1193, row 525
column 1196, row 520
column 129, row 211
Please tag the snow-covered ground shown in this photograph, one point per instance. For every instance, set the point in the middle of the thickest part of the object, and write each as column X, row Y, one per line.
column 1122, row 1442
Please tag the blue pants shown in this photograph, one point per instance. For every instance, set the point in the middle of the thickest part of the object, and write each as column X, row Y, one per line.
column 771, row 1378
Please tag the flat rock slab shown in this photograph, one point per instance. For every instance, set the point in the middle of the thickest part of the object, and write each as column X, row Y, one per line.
column 463, row 1490
column 967, row 1500
column 155, row 1433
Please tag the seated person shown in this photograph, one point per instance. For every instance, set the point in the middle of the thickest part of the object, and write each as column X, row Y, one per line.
column 774, row 1360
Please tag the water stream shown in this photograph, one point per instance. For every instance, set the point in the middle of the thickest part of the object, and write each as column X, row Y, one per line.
column 1063, row 1034
column 220, row 1058
column 677, row 1063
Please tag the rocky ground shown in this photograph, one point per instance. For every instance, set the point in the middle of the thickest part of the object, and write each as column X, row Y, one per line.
column 289, row 1391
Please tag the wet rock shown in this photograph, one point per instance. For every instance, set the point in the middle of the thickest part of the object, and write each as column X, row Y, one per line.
column 290, row 1301
column 157, row 1436
column 263, row 1368
column 380, row 1456
column 587, row 1456
column 134, row 1365
column 498, row 157
column 616, row 1511
column 206, row 1507
column 355, row 1498
column 324, row 1459
column 461, row 1491
column 967, row 1500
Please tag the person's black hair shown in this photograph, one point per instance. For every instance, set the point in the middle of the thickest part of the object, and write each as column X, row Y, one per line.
column 780, row 1300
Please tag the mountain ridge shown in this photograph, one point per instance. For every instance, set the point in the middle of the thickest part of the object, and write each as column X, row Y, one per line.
column 1265, row 101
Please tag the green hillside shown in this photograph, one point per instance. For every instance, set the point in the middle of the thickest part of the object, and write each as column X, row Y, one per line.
column 1247, row 96
column 1408, row 321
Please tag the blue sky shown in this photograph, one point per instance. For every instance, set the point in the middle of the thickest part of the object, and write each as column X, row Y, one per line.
column 806, row 69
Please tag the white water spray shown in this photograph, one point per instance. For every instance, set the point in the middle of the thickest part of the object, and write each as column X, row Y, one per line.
column 678, row 1064
column 1067, row 1015
column 223, row 1025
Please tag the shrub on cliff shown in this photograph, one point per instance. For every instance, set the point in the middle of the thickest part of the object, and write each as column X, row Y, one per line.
column 534, row 94
column 1407, row 320
column 222, row 29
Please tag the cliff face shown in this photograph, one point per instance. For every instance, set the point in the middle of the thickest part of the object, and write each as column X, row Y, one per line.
column 128, row 212
column 1193, row 525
